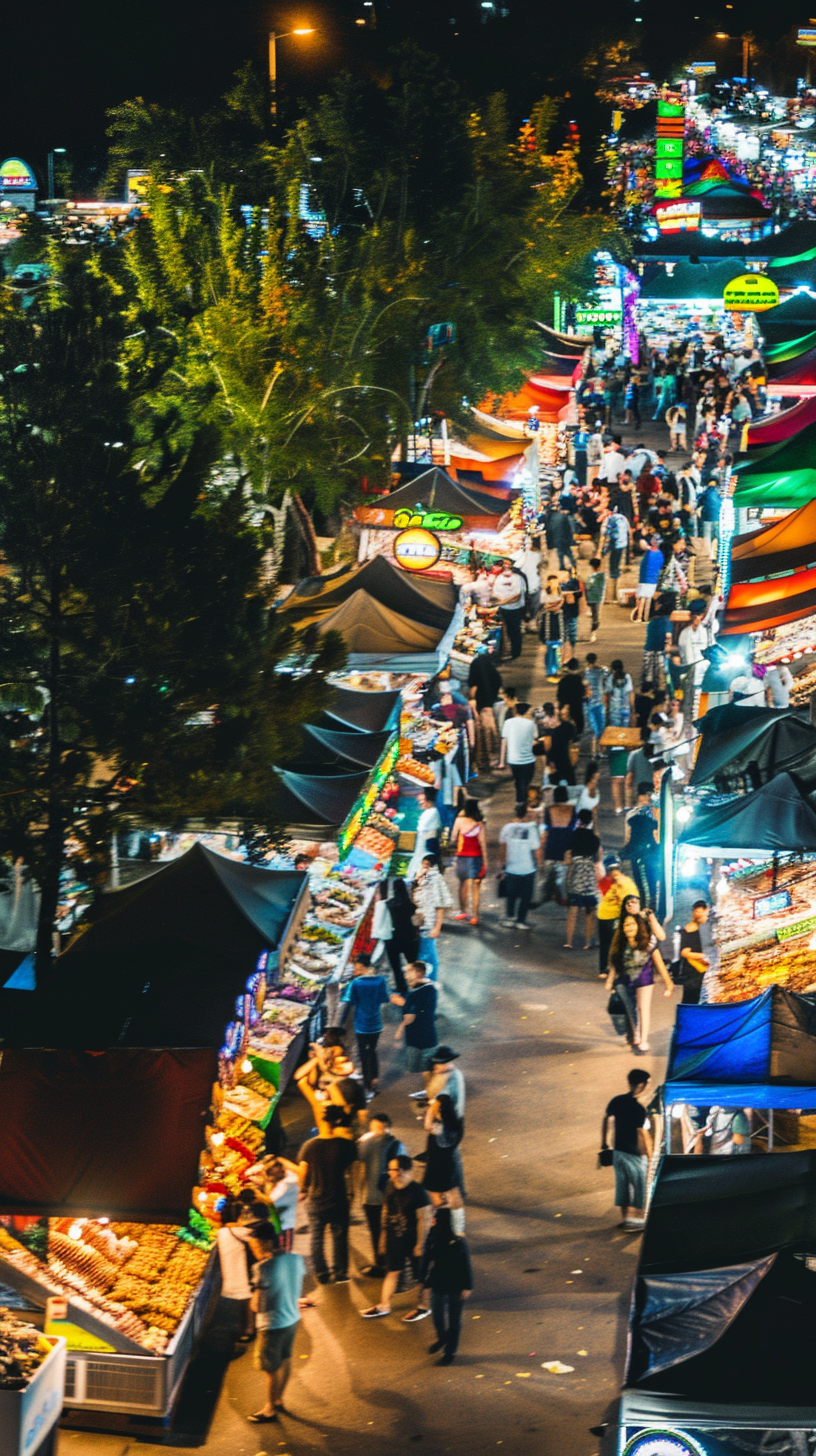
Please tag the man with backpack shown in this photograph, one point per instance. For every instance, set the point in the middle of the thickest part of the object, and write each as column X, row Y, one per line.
column 374, row 1149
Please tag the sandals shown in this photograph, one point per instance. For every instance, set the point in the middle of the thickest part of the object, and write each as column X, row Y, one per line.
column 260, row 1418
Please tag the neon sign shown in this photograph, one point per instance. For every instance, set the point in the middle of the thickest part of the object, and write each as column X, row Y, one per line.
column 430, row 520
column 417, row 549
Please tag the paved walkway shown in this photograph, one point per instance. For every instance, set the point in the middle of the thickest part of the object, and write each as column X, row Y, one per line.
column 552, row 1272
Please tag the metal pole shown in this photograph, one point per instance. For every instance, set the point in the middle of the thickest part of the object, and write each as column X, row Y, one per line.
column 273, row 79
column 770, row 1129
column 50, row 174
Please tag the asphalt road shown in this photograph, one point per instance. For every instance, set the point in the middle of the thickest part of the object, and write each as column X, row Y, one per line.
column 552, row 1272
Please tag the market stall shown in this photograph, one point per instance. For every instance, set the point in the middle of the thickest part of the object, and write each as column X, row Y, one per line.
column 742, row 748
column 719, row 1357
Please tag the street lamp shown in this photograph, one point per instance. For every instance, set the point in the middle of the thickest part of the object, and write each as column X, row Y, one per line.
column 273, row 65
column 58, row 151
column 747, row 41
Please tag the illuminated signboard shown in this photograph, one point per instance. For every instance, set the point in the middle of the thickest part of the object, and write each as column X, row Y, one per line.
column 431, row 520
column 417, row 549
column 16, row 174
column 770, row 904
column 682, row 216
column 806, row 38
column 750, row 293
column 662, row 1443
column 703, row 68
column 671, row 127
column 138, row 181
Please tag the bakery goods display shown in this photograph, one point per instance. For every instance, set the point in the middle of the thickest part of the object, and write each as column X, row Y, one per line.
column 22, row 1351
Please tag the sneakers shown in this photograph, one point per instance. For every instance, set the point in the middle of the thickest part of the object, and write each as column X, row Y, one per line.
column 341, row 1279
column 418, row 1096
column 435, row 1347
column 634, row 1225
column 511, row 924
column 415, row 1315
column 374, row 1311
column 520, row 924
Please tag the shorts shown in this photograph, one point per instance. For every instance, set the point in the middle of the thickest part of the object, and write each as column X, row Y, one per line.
column 416, row 1058
column 583, row 902
column 618, row 761
column 596, row 717
column 646, row 588
column 398, row 1253
column 469, row 867
column 273, row 1347
column 630, row 1180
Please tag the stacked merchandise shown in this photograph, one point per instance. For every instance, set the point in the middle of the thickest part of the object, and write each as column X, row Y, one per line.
column 22, row 1351
column 136, row 1278
column 766, row 929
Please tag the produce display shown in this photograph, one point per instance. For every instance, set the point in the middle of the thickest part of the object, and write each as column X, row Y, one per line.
column 775, row 947
column 22, row 1351
column 137, row 1278
column 372, row 841
column 413, row 769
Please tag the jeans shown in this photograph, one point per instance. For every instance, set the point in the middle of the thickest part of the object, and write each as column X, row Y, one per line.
column 630, row 1180
column 446, row 1310
column 615, row 559
column 394, row 954
column 428, row 953
column 337, row 1219
column 522, row 775
column 711, row 531
column 519, row 888
column 551, row 659
column 367, row 1047
column 596, row 718
column 571, row 630
column 513, row 618
column 565, row 560
column 373, row 1217
column 581, row 466
column 606, row 930
column 595, row 610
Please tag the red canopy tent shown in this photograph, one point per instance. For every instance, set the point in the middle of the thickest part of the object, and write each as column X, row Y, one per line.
column 781, row 427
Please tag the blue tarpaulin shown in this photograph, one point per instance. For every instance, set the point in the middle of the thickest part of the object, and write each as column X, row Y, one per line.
column 758, row 1053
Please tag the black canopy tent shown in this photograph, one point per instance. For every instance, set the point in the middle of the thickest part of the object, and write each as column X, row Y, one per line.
column 431, row 603
column 364, row 749
column 436, row 491
column 724, row 1304
column 162, row 962
column 368, row 712
column 742, row 747
column 775, row 819
column 113, row 1134
column 327, row 799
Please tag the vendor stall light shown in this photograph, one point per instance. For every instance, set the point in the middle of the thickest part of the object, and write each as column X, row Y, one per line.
column 75, row 1231
column 246, row 1065
column 683, row 814
column 217, row 1139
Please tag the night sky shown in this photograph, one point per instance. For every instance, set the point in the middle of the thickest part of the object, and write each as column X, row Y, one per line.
column 64, row 63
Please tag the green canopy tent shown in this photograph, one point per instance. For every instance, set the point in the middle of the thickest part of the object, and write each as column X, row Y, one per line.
column 690, row 281
column 784, row 477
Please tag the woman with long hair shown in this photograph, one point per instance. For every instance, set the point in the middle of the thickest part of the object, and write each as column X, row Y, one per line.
column 443, row 1161
column 633, row 960
column 404, row 939
column 468, row 837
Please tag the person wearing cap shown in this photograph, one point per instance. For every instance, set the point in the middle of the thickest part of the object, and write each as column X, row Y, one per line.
column 614, row 887
column 444, row 1077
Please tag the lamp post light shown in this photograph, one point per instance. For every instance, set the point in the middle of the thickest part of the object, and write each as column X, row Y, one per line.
column 57, row 151
column 273, row 65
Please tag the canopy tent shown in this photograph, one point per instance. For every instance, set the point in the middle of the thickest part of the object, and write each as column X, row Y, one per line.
column 785, row 476
column 774, row 819
column 365, row 749
column 475, row 465
column 757, row 606
column 114, row 1134
column 788, row 346
column 783, row 545
column 327, row 798
column 163, row 959
column 500, row 430
column 548, row 397
column 757, row 1053
column 775, row 429
column 561, row 365
column 799, row 370
column 794, row 244
column 724, row 1301
column 794, row 316
column 367, row 712
column 707, row 180
column 427, row 602
column 367, row 627
column 748, row 746
column 702, row 281
column 434, row 491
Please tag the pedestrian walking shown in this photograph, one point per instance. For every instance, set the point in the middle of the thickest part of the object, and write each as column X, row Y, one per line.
column 658, row 641
column 633, row 961
column 429, row 827
column 278, row 1281
column 470, row 843
column 558, row 825
column 595, row 705
column 367, row 992
column 399, row 935
column 443, row 1173
column 571, row 694
column 322, row 1165
column 562, row 748
column 509, row 594
column 594, row 593
column 615, row 543
column 375, row 1149
column 651, row 565
column 518, row 737
column 519, row 852
column 443, row 1076
column 615, row 886
column 590, row 795
column 620, row 706
column 626, row 1123
column 235, row 1262
column 692, row 961
column 561, row 537
column 551, row 624
column 641, row 845
column 417, row 1028
column 431, row 899
column 446, row 1271
column 484, row 685
column 571, row 591
column 582, row 860
column 406, row 1219
column 676, row 421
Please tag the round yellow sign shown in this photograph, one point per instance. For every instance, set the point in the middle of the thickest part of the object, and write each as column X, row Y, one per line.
column 750, row 293
column 416, row 549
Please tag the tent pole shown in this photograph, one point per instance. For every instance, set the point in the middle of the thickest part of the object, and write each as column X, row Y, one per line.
column 770, row 1129
column 775, row 868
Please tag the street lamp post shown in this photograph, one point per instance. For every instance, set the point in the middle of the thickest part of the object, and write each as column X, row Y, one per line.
column 57, row 151
column 273, row 66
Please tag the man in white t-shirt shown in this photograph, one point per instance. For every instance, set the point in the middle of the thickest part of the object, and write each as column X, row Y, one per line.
column 519, row 851
column 232, row 1242
column 748, row 689
column 510, row 592
column 613, row 462
column 518, row 737
column 693, row 641
column 428, row 828
column 779, row 679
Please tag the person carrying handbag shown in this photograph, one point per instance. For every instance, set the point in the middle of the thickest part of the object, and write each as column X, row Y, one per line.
column 468, row 837
column 626, row 1125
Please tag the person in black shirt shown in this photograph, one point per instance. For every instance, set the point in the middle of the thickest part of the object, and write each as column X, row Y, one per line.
column 484, row 684
column 322, row 1164
column 406, row 1217
column 641, row 847
column 571, row 692
column 694, row 963
column 626, row 1121
column 557, row 743
column 446, row 1271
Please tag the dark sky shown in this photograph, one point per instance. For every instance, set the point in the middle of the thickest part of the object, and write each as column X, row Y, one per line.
column 65, row 61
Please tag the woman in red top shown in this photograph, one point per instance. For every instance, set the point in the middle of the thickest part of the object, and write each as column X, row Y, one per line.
column 468, row 834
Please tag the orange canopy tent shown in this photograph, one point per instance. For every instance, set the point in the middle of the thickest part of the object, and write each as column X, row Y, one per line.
column 786, row 545
column 757, row 606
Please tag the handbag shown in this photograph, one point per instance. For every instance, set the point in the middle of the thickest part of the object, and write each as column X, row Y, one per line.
column 605, row 1158
column 617, row 1011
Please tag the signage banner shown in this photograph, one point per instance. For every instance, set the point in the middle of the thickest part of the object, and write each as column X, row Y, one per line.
column 431, row 520
column 806, row 37
column 703, row 68
column 668, row 147
column 799, row 927
column 750, row 293
column 683, row 216
column 417, row 549
column 772, row 904
column 15, row 173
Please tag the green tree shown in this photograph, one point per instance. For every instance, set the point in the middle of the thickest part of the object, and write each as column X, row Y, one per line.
column 131, row 602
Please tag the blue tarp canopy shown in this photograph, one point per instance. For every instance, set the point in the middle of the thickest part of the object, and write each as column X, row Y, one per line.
column 757, row 1053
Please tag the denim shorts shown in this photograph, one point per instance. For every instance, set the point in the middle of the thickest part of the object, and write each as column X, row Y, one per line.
column 630, row 1180
column 596, row 717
